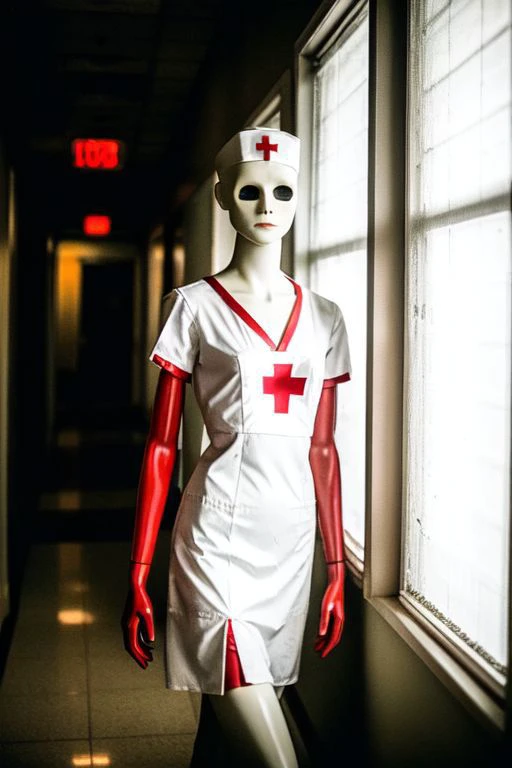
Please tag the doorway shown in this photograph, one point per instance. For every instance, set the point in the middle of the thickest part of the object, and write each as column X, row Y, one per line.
column 106, row 335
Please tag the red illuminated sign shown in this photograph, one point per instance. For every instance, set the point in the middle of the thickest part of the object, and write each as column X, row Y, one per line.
column 97, row 226
column 98, row 154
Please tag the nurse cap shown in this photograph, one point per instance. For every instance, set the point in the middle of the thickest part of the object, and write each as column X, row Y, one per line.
column 259, row 143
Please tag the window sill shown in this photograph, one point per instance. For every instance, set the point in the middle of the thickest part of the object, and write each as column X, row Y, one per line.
column 451, row 673
column 355, row 566
column 354, row 558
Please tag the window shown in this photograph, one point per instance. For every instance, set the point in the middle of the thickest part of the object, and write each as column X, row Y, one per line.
column 458, row 312
column 338, row 236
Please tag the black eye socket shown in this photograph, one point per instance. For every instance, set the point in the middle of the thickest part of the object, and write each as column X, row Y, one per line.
column 249, row 192
column 283, row 193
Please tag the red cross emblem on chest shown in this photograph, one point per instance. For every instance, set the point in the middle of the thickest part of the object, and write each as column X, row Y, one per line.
column 282, row 385
column 266, row 147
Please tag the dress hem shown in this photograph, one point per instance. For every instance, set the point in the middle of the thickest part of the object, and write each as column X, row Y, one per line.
column 197, row 689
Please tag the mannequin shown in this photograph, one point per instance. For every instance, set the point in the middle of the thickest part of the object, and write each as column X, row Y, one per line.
column 243, row 539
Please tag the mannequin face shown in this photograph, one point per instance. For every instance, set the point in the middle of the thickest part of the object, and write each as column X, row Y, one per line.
column 261, row 198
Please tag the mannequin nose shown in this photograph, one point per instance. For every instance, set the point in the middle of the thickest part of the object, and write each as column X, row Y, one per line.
column 265, row 204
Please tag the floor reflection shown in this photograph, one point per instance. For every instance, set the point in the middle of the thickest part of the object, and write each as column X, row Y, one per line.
column 70, row 694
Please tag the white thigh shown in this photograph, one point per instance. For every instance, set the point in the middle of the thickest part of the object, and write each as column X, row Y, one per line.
column 253, row 722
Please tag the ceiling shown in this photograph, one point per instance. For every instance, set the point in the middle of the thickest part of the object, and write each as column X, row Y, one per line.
column 122, row 69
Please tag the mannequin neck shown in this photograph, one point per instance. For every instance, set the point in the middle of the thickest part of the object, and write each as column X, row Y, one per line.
column 256, row 267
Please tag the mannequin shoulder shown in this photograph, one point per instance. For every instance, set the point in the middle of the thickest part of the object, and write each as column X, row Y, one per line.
column 323, row 306
column 191, row 294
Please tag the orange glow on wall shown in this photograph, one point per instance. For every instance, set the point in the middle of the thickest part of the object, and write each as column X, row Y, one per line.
column 70, row 255
column 97, row 226
column 69, row 293
column 98, row 154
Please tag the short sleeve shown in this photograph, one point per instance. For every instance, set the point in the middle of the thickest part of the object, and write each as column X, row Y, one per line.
column 177, row 346
column 337, row 359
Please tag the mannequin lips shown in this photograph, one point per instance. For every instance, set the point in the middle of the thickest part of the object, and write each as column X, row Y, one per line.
column 265, row 225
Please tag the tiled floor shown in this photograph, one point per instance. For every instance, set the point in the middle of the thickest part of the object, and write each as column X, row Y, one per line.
column 70, row 694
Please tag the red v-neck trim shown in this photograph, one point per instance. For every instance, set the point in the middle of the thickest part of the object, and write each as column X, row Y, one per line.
column 293, row 320
column 244, row 315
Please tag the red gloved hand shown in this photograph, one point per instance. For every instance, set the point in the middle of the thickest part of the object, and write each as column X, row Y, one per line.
column 137, row 622
column 332, row 613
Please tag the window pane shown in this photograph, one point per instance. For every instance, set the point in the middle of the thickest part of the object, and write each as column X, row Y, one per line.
column 458, row 392
column 338, row 241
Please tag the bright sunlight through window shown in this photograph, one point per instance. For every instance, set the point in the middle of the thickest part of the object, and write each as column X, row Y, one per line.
column 458, row 360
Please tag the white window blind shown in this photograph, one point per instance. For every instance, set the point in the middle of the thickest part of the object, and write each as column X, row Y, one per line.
column 458, row 360
column 338, row 240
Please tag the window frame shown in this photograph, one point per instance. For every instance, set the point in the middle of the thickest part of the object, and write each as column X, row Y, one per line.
column 387, row 228
column 457, row 649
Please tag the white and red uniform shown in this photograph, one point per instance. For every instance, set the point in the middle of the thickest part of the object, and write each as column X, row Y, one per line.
column 242, row 544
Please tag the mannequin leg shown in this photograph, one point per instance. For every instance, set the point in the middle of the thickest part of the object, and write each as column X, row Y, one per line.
column 255, row 727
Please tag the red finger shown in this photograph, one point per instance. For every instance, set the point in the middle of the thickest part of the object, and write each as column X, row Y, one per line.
column 149, row 626
column 143, row 641
column 320, row 642
column 134, row 650
column 319, row 646
column 334, row 636
column 138, row 653
column 325, row 615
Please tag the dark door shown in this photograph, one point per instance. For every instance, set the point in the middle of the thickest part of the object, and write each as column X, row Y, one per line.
column 106, row 337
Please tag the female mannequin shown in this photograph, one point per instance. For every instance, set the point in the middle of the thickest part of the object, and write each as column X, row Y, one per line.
column 243, row 539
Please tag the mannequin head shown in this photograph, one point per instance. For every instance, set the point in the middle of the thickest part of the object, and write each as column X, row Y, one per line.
column 258, row 191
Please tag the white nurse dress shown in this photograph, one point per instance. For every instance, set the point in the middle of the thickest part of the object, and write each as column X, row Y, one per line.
column 243, row 540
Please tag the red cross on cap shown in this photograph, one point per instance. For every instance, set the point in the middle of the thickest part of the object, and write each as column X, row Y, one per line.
column 282, row 385
column 266, row 147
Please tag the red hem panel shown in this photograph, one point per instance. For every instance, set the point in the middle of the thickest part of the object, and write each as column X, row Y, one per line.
column 234, row 674
column 179, row 373
column 336, row 380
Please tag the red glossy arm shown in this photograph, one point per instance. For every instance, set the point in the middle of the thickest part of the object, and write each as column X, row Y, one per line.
column 155, row 477
column 325, row 466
